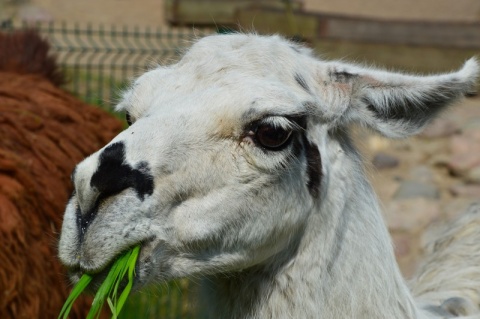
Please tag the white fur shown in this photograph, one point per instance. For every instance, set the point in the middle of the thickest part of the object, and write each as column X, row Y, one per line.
column 247, row 219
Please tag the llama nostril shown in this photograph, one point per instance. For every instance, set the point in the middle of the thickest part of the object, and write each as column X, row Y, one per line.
column 83, row 220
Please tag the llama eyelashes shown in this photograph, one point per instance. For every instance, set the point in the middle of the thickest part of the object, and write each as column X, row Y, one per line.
column 128, row 118
column 274, row 133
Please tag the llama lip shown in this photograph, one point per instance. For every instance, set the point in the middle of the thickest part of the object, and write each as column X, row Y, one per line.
column 99, row 276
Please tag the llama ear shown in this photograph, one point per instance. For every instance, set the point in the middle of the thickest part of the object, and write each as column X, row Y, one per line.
column 393, row 104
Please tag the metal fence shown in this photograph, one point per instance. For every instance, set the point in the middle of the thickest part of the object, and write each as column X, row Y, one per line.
column 100, row 60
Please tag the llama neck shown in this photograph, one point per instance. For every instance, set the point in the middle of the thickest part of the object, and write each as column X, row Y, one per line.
column 342, row 267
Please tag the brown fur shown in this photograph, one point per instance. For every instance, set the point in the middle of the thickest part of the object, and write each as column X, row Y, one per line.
column 44, row 131
column 26, row 53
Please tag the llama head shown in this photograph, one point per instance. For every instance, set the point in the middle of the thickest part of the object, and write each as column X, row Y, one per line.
column 229, row 153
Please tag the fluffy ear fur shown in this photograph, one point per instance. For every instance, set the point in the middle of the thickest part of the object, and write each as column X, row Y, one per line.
column 396, row 105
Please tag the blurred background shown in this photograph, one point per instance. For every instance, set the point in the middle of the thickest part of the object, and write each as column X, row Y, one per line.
column 116, row 35
column 422, row 182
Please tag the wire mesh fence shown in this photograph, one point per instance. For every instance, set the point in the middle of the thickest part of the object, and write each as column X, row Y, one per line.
column 100, row 60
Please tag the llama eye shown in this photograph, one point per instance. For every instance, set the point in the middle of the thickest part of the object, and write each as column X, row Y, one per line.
column 128, row 118
column 272, row 137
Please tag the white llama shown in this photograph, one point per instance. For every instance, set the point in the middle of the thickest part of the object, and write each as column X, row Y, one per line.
column 238, row 168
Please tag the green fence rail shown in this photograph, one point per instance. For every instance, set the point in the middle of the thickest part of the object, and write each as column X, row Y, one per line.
column 100, row 60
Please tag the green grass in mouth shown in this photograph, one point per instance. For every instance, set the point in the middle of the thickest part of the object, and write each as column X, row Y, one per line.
column 108, row 291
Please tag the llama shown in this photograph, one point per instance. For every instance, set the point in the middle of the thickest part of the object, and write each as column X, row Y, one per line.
column 238, row 168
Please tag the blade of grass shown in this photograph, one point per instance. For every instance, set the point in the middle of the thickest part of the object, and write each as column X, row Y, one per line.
column 76, row 291
column 104, row 290
column 112, row 308
column 132, row 260
column 124, row 262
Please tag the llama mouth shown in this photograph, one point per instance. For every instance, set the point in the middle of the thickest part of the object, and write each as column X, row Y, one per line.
column 99, row 276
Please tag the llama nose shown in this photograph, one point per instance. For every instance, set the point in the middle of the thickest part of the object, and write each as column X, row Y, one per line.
column 112, row 174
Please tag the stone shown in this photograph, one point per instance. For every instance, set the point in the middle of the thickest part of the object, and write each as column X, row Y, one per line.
column 382, row 160
column 465, row 149
column 456, row 206
column 440, row 160
column 422, row 174
column 402, row 243
column 412, row 189
column 472, row 124
column 465, row 190
column 406, row 251
column 385, row 188
column 411, row 215
column 440, row 127
column 473, row 175
column 376, row 143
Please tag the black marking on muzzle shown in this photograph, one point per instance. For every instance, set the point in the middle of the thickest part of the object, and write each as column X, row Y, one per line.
column 314, row 167
column 113, row 175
